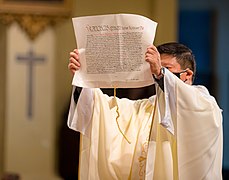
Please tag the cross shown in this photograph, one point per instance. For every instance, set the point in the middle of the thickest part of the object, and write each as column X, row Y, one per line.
column 30, row 59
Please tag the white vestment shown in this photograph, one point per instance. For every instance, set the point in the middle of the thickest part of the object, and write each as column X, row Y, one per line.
column 181, row 139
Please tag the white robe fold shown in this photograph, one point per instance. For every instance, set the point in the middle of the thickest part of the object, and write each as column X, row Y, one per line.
column 185, row 140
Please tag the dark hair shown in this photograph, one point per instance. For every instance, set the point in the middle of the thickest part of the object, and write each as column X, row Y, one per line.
column 183, row 54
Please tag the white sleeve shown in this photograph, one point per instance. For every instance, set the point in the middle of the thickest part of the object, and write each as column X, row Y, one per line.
column 80, row 114
column 167, row 101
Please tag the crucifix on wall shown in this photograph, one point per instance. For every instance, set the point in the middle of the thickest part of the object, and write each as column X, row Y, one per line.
column 30, row 59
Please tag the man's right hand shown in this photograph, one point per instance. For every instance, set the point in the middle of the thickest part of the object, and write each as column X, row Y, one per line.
column 152, row 56
column 74, row 63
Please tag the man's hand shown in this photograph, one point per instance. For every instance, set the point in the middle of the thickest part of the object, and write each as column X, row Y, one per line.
column 152, row 56
column 74, row 63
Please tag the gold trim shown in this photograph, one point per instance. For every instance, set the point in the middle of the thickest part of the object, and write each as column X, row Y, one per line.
column 34, row 16
column 118, row 115
column 33, row 25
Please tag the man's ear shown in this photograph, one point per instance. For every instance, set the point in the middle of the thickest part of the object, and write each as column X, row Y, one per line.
column 189, row 74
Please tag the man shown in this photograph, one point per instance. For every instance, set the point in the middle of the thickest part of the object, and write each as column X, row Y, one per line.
column 175, row 134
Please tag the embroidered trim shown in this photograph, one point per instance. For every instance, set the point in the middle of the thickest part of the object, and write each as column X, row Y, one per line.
column 143, row 157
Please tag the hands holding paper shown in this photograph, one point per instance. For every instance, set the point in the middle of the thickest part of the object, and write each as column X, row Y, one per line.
column 152, row 56
column 74, row 63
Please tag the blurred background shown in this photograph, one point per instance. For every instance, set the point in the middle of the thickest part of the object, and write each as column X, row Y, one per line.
column 35, row 84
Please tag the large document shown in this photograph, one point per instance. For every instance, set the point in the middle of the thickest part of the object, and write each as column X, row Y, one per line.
column 112, row 50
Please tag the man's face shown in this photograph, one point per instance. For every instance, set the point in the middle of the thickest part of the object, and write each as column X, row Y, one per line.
column 170, row 62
